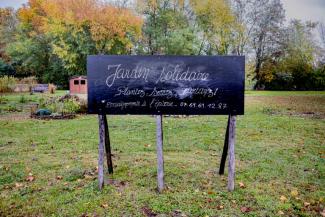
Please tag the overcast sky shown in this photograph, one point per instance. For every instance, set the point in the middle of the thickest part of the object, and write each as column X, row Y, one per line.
column 300, row 9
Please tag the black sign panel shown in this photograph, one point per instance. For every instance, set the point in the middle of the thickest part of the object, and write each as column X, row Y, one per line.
column 206, row 85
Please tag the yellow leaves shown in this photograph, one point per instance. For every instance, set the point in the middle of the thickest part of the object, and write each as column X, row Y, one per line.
column 283, row 198
column 106, row 21
column 294, row 193
column 217, row 21
column 280, row 212
column 306, row 204
column 104, row 205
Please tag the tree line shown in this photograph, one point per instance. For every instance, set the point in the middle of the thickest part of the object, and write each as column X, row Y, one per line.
column 50, row 39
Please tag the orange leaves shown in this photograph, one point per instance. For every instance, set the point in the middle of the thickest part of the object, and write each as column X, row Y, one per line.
column 106, row 21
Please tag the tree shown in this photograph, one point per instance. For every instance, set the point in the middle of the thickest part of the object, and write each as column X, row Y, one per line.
column 321, row 29
column 265, row 34
column 54, row 37
column 217, row 23
column 167, row 28
column 300, row 54
column 8, row 25
column 6, row 69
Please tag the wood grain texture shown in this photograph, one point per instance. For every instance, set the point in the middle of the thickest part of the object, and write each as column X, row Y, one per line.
column 160, row 156
column 225, row 150
column 231, row 151
column 101, row 144
column 108, row 147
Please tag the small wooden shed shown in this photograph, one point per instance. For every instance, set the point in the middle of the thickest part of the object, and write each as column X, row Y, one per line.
column 78, row 85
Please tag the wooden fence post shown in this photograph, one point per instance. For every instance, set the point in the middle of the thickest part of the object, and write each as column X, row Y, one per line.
column 101, row 124
column 231, row 151
column 160, row 155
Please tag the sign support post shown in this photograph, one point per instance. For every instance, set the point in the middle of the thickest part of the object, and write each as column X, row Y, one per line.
column 101, row 151
column 160, row 155
column 108, row 147
column 225, row 150
column 231, row 150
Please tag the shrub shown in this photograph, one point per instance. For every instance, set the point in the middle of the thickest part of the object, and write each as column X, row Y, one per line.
column 7, row 84
column 3, row 100
column 12, row 108
column 22, row 99
column 64, row 104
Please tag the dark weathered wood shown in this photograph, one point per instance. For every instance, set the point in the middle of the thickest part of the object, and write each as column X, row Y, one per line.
column 231, row 151
column 101, row 144
column 225, row 151
column 108, row 147
column 160, row 156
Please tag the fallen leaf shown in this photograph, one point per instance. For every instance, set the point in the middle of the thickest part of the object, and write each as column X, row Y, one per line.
column 219, row 207
column 245, row 209
column 242, row 185
column 59, row 177
column 148, row 212
column 104, row 205
column 210, row 192
column 306, row 204
column 280, row 212
column 294, row 193
column 88, row 177
column 19, row 185
column 147, row 145
column 322, row 213
column 30, row 178
column 283, row 198
column 65, row 184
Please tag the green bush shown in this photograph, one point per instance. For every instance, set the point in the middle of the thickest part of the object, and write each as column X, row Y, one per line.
column 22, row 99
column 3, row 100
column 7, row 84
column 12, row 108
column 298, row 80
column 65, row 104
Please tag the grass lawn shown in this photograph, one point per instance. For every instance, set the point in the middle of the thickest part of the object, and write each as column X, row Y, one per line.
column 48, row 168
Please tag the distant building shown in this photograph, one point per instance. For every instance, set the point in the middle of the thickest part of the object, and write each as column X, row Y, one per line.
column 78, row 85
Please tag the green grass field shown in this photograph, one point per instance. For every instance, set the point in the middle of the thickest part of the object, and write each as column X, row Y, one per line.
column 48, row 168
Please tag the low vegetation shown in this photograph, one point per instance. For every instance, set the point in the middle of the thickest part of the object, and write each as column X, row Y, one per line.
column 49, row 167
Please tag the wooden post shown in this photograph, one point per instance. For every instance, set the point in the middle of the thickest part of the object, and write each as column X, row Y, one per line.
column 101, row 124
column 160, row 155
column 231, row 151
column 108, row 147
column 225, row 151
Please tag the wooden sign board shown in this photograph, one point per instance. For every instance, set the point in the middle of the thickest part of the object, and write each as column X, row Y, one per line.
column 188, row 85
